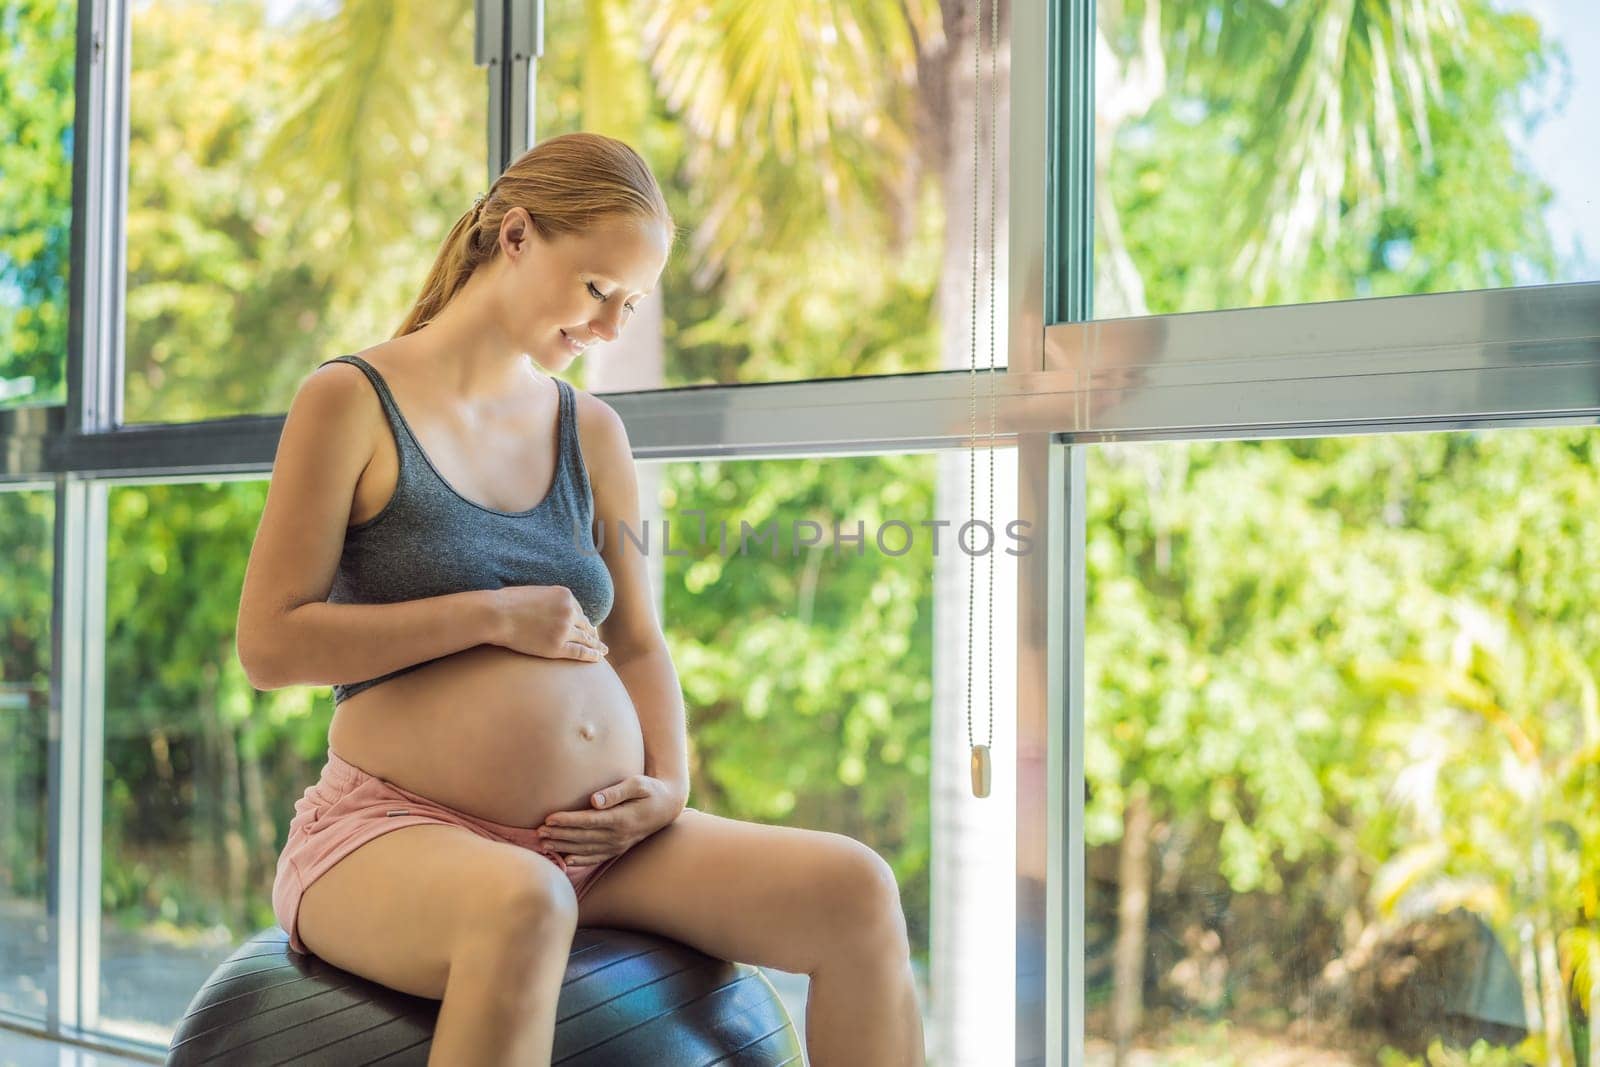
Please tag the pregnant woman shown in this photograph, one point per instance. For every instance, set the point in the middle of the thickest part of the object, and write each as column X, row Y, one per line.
column 507, row 758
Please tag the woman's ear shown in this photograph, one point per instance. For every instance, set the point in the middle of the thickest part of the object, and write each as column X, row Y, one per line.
column 518, row 230
column 513, row 231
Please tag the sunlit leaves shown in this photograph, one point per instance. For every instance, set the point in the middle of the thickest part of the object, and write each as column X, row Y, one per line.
column 1334, row 148
column 795, row 110
column 36, row 115
column 1375, row 648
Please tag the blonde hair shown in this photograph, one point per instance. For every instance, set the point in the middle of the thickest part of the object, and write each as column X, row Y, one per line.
column 566, row 184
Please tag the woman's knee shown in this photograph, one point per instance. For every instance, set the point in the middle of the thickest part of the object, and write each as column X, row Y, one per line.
column 864, row 895
column 525, row 910
column 526, row 896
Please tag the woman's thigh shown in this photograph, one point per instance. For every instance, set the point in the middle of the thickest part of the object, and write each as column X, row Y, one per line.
column 396, row 908
column 773, row 896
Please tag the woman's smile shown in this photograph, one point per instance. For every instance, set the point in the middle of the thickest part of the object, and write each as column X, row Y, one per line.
column 574, row 345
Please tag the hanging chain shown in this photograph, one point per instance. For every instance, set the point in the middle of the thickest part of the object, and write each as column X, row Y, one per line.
column 972, row 365
column 980, row 753
column 994, row 254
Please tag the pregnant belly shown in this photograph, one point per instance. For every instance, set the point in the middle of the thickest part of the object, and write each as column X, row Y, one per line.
column 495, row 733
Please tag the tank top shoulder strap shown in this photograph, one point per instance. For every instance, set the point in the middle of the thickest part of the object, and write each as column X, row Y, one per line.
column 571, row 450
column 566, row 412
column 397, row 422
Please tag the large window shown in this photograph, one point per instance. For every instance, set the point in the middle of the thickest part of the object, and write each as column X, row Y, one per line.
column 36, row 107
column 292, row 169
column 822, row 572
column 26, row 935
column 1248, row 154
column 1344, row 749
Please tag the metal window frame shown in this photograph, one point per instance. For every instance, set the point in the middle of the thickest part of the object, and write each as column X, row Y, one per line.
column 94, row 337
column 1517, row 357
column 508, row 41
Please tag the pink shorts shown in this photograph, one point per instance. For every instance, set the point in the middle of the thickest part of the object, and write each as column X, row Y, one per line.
column 347, row 807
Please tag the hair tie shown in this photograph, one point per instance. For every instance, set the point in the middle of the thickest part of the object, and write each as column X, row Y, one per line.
column 477, row 206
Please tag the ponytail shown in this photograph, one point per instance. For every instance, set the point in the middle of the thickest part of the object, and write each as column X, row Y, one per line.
column 458, row 258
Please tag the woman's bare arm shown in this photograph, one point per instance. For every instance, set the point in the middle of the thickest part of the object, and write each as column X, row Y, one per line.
column 328, row 644
column 632, row 632
column 287, row 632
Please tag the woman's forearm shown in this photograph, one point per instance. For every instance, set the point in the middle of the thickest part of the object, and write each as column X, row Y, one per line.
column 323, row 643
column 652, row 685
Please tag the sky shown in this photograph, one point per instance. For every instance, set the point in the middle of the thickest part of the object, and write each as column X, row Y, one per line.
column 1565, row 148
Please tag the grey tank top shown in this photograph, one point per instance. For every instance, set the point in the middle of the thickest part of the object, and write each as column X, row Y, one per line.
column 429, row 540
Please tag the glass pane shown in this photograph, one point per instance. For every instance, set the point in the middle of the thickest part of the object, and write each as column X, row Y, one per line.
column 1251, row 154
column 293, row 167
column 781, row 636
column 799, row 604
column 202, row 770
column 1343, row 750
column 37, row 42
column 825, row 687
column 817, row 159
column 27, row 550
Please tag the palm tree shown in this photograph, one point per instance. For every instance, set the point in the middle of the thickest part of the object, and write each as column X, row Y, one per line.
column 1514, row 716
column 1336, row 95
column 355, row 139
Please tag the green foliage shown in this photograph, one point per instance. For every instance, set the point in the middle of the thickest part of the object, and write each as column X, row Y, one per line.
column 201, row 769
column 1381, row 644
column 799, row 120
column 26, row 557
column 1433, row 198
column 1481, row 1054
column 808, row 671
column 213, row 259
column 248, row 263
column 737, row 309
column 36, row 106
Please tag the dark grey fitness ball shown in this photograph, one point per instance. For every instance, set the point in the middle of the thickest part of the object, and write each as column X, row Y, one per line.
column 628, row 998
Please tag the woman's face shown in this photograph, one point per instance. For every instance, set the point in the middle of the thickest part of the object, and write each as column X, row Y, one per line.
column 578, row 290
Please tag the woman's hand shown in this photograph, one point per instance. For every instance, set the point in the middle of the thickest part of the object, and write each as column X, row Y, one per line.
column 623, row 815
column 546, row 620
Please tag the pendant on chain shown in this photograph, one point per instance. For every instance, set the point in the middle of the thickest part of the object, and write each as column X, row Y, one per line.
column 980, row 770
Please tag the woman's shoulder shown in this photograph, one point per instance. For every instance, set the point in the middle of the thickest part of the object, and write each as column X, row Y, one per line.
column 386, row 356
column 594, row 414
column 601, row 436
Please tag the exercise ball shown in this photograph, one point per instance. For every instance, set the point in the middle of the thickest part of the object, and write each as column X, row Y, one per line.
column 628, row 998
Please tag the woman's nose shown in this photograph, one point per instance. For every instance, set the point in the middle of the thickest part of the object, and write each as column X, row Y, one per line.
column 608, row 326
